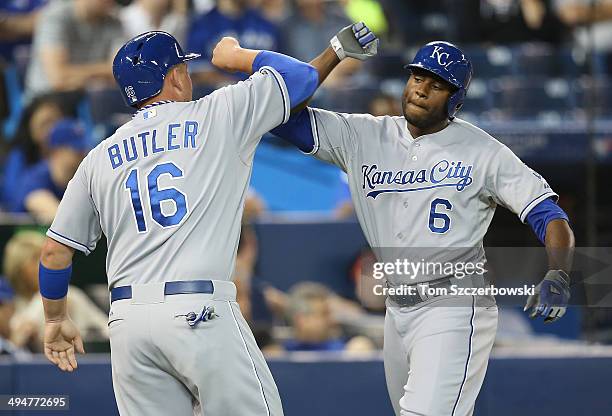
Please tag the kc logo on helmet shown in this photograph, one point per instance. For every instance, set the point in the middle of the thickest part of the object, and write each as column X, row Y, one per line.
column 441, row 56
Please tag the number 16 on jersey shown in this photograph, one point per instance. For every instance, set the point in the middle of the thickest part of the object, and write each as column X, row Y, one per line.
column 156, row 196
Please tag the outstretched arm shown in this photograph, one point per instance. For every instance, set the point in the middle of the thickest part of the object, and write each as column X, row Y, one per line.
column 355, row 41
column 301, row 79
column 560, row 243
column 550, row 223
column 61, row 338
column 324, row 64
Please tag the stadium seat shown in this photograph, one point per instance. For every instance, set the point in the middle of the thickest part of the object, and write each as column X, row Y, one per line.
column 107, row 106
column 537, row 60
column 478, row 100
column 353, row 100
column 574, row 62
column 594, row 94
column 492, row 62
column 533, row 98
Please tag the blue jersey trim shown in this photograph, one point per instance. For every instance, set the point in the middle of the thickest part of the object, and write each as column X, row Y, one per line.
column 315, row 130
column 374, row 194
column 298, row 131
column 286, row 108
column 68, row 241
column 534, row 202
column 146, row 107
column 467, row 362
column 263, row 393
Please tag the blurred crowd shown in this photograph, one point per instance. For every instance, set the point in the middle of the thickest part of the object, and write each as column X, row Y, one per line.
column 21, row 309
column 309, row 317
column 55, row 64
column 55, row 53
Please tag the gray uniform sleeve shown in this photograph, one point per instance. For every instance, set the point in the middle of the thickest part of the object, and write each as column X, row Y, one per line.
column 514, row 185
column 334, row 141
column 77, row 222
column 256, row 106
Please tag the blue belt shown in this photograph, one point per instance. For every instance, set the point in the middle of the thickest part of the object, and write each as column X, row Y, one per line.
column 179, row 287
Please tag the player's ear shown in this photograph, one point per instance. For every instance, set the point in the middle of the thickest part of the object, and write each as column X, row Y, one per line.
column 176, row 76
column 173, row 78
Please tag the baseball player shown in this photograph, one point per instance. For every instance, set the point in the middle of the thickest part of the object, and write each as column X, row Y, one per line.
column 167, row 190
column 428, row 183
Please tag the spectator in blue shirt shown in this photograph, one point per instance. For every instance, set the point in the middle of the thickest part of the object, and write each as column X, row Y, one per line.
column 28, row 147
column 314, row 328
column 17, row 22
column 228, row 18
column 309, row 307
column 44, row 184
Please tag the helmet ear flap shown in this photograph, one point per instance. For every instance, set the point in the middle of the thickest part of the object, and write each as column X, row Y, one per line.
column 142, row 82
column 152, row 75
column 455, row 102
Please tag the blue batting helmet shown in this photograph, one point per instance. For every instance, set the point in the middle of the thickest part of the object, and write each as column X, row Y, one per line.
column 142, row 63
column 449, row 63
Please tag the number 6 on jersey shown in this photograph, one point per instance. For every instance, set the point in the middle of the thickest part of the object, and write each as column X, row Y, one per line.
column 157, row 196
column 442, row 218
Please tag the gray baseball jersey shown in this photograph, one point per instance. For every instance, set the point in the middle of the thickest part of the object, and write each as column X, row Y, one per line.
column 167, row 189
column 439, row 190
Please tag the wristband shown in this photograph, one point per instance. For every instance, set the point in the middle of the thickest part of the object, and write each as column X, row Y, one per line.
column 561, row 274
column 337, row 47
column 54, row 283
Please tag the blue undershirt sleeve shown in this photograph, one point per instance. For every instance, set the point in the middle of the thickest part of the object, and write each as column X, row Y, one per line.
column 301, row 79
column 297, row 131
column 543, row 213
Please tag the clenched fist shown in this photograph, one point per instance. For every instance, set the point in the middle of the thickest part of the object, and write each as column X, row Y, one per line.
column 226, row 55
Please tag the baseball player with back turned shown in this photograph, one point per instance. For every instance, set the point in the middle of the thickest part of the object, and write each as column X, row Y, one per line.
column 167, row 190
column 427, row 185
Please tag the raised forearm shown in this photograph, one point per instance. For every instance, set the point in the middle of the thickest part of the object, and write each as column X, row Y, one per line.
column 325, row 63
column 354, row 41
column 559, row 245
column 229, row 56
column 244, row 59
